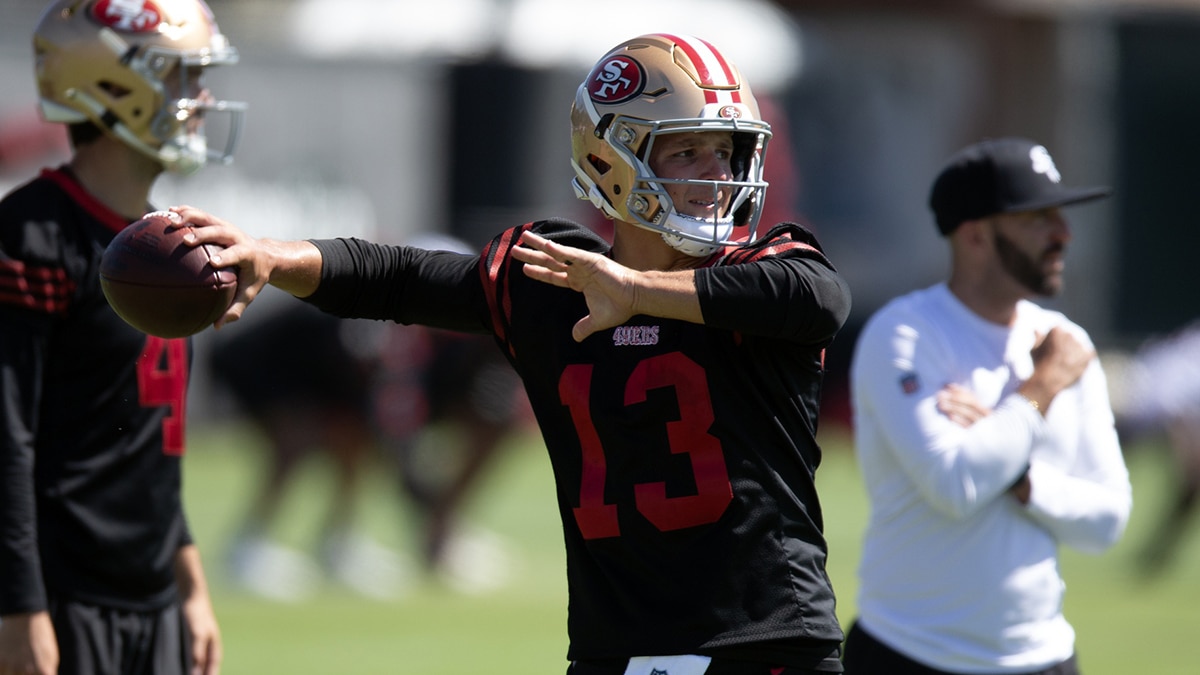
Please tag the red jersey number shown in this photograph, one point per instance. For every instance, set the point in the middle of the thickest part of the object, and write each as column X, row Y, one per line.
column 688, row 434
column 162, row 380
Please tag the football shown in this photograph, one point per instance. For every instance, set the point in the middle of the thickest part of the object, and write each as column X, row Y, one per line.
column 160, row 285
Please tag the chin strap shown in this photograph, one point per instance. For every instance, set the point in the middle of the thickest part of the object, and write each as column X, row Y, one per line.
column 718, row 231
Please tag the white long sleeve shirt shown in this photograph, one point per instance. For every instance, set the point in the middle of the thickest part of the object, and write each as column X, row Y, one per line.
column 955, row 572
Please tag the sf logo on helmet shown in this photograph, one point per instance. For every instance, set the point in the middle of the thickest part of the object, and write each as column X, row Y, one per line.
column 616, row 80
column 128, row 16
column 730, row 112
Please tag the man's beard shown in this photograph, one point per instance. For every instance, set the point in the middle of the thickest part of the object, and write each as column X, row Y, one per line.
column 1027, row 270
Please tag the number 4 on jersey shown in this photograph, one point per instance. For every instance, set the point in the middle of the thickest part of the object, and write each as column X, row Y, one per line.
column 162, row 380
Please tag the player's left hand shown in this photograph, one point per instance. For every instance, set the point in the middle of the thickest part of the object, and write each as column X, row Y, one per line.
column 608, row 286
column 199, row 619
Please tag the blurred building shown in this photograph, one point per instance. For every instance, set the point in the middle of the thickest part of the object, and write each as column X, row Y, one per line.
column 892, row 88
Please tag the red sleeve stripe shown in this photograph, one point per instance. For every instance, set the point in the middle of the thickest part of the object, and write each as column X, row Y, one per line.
column 776, row 249
column 493, row 266
column 754, row 253
column 41, row 289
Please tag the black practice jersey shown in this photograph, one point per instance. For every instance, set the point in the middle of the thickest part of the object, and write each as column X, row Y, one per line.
column 92, row 416
column 683, row 454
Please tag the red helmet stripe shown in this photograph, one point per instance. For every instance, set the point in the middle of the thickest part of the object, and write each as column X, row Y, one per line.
column 706, row 58
column 711, row 66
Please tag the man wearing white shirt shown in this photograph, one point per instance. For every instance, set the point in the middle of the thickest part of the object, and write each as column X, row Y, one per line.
column 985, row 437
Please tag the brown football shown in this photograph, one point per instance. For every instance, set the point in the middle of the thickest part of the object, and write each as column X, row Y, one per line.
column 160, row 285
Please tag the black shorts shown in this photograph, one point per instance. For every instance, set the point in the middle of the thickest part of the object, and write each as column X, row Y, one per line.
column 103, row 641
column 865, row 655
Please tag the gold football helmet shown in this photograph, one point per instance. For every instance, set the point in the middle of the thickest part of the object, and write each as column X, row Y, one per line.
column 662, row 84
column 133, row 68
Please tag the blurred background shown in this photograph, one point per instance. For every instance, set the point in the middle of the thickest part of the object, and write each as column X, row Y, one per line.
column 394, row 119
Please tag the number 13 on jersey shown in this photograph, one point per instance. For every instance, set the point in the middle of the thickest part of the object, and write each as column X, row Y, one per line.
column 686, row 435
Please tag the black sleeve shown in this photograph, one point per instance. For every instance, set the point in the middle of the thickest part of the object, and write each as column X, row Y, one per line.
column 21, row 585
column 441, row 289
column 362, row 280
column 781, row 287
column 25, row 318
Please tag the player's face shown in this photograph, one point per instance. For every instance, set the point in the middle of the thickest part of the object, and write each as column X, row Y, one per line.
column 1031, row 247
column 701, row 155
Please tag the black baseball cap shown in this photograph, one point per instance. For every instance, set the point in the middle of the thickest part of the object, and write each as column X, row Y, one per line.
column 1001, row 175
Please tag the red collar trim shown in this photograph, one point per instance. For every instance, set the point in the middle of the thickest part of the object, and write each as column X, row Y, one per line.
column 67, row 181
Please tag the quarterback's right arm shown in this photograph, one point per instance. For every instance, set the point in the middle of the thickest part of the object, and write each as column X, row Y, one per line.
column 348, row 277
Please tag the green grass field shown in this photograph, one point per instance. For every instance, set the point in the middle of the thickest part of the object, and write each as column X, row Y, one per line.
column 1125, row 624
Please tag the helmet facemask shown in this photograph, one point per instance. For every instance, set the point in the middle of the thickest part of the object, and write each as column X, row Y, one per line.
column 732, row 224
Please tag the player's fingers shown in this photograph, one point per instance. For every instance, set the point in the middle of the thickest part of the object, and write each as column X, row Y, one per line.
column 534, row 241
column 545, row 275
column 559, row 256
column 195, row 217
column 246, row 292
column 535, row 257
column 206, row 228
column 229, row 256
column 231, row 315
column 199, row 657
column 207, row 658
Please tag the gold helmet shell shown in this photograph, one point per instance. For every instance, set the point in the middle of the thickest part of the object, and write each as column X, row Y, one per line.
column 659, row 84
column 133, row 69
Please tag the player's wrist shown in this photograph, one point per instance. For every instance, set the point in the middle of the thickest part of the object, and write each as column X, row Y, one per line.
column 292, row 266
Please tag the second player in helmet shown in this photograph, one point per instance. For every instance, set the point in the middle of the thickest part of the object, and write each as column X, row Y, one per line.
column 135, row 71
column 675, row 375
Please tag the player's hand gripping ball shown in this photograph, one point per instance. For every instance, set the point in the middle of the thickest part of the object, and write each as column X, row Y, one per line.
column 160, row 285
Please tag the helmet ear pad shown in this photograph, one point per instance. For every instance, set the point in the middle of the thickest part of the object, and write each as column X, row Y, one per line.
column 602, row 167
column 745, row 146
column 747, row 153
